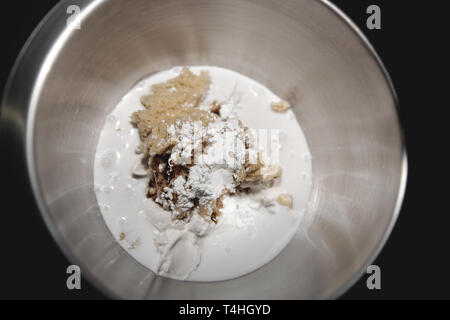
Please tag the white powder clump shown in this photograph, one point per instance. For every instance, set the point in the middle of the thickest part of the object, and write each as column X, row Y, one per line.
column 213, row 170
column 188, row 138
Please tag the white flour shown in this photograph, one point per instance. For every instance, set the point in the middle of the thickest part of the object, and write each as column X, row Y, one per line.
column 214, row 169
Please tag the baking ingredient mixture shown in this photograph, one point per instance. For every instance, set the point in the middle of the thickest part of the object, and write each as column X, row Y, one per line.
column 202, row 174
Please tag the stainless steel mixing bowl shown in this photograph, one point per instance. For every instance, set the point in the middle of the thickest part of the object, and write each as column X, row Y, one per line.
column 66, row 81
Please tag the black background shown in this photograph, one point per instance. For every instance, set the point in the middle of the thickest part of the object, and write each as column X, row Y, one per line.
column 414, row 261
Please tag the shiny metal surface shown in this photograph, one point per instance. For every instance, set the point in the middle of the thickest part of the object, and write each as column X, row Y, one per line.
column 66, row 81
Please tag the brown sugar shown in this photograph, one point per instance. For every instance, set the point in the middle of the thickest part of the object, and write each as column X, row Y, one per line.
column 186, row 90
column 171, row 101
column 280, row 106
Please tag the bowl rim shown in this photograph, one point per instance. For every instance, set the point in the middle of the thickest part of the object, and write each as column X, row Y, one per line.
column 58, row 39
column 404, row 161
